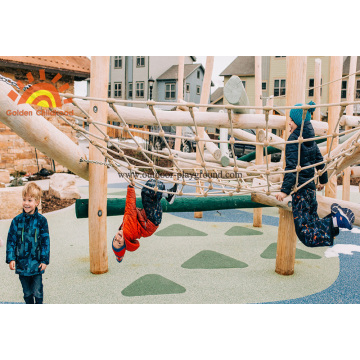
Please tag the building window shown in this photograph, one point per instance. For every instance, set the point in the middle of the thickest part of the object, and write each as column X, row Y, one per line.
column 279, row 87
column 263, row 86
column 357, row 94
column 170, row 91
column 311, row 87
column 198, row 74
column 117, row 89
column 109, row 90
column 140, row 89
column 140, row 61
column 198, row 90
column 244, row 83
column 343, row 89
column 117, row 62
column 280, row 56
column 130, row 90
column 187, row 88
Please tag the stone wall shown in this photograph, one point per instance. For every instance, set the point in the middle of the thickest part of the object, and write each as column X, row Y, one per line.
column 15, row 153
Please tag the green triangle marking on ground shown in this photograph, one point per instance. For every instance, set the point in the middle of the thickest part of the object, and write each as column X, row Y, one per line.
column 152, row 284
column 270, row 253
column 208, row 259
column 242, row 231
column 179, row 230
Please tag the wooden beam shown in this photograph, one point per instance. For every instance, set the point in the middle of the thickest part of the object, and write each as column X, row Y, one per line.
column 295, row 93
column 324, row 204
column 180, row 97
column 350, row 121
column 259, row 159
column 98, row 173
column 138, row 116
column 204, row 99
column 336, row 65
column 317, row 90
column 40, row 133
column 349, row 112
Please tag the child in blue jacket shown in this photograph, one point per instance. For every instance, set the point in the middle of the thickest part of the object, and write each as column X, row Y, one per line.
column 28, row 245
column 310, row 229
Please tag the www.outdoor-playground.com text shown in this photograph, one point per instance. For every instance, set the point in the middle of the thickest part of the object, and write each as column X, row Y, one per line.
column 200, row 175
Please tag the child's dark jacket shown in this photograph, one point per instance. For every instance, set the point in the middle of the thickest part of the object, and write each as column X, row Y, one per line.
column 309, row 155
column 28, row 243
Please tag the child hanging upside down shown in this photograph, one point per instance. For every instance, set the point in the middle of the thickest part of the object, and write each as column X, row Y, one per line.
column 137, row 222
column 310, row 229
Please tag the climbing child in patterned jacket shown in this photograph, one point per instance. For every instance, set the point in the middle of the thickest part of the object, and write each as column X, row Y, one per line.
column 137, row 222
column 28, row 245
column 310, row 229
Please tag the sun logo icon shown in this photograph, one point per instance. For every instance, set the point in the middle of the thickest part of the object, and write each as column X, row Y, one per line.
column 42, row 94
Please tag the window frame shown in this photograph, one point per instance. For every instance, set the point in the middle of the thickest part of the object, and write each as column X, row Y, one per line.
column 140, row 89
column 172, row 90
column 198, row 90
column 109, row 90
column 117, row 62
column 140, row 59
column 130, row 90
column 262, row 83
column 357, row 89
column 279, row 88
column 116, row 91
column 343, row 90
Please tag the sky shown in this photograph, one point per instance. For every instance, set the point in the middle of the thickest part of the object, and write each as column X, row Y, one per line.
column 220, row 63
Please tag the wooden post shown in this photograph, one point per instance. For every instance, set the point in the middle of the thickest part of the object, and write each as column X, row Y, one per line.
column 317, row 90
column 295, row 93
column 349, row 112
column 204, row 99
column 99, row 80
column 336, row 65
column 259, row 159
column 180, row 97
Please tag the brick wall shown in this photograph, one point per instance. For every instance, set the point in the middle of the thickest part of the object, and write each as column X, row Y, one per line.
column 15, row 153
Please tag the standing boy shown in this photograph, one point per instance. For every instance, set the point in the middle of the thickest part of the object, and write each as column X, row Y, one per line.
column 28, row 245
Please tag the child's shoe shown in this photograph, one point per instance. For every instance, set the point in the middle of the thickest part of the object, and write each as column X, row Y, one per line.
column 349, row 214
column 171, row 197
column 343, row 220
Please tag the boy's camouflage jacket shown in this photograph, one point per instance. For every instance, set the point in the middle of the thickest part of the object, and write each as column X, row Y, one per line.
column 28, row 243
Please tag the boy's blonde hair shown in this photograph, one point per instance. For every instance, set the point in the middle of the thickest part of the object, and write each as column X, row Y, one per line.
column 31, row 189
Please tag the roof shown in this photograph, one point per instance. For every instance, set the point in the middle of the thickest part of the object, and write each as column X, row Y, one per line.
column 346, row 65
column 78, row 66
column 217, row 94
column 241, row 66
column 172, row 72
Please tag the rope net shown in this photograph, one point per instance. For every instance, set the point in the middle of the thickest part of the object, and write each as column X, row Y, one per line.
column 204, row 173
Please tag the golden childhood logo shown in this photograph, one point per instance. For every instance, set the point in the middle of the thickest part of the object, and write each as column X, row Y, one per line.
column 43, row 94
